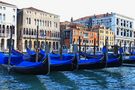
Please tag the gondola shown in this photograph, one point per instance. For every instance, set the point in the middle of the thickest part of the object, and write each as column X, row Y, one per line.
column 112, row 61
column 67, row 62
column 20, row 65
column 93, row 62
column 130, row 59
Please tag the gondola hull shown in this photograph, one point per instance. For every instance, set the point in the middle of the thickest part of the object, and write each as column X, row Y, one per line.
column 61, row 67
column 32, row 68
column 39, row 70
column 129, row 60
column 57, row 64
column 116, row 62
column 91, row 66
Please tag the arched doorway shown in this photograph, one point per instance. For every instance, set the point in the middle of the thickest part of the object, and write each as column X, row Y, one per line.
column 54, row 45
column 42, row 45
column 26, row 44
column 2, row 44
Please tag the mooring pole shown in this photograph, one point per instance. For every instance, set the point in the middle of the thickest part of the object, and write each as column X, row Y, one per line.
column 94, row 46
column 10, row 46
column 79, row 46
column 37, row 45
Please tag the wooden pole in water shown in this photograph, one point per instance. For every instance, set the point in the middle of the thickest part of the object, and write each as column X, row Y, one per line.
column 61, row 43
column 37, row 45
column 79, row 45
column 85, row 50
column 130, row 47
column 30, row 43
column 10, row 46
column 94, row 46
column 106, row 45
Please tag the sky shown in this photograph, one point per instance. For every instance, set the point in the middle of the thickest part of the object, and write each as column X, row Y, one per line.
column 78, row 8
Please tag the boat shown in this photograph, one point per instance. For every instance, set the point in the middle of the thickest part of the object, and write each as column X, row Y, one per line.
column 93, row 61
column 19, row 65
column 113, row 60
column 67, row 62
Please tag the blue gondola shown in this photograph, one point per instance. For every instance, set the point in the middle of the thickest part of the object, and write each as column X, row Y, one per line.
column 112, row 61
column 67, row 62
column 129, row 59
column 20, row 65
column 93, row 62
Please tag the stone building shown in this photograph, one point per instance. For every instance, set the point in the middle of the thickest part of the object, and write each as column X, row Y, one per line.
column 121, row 25
column 103, row 34
column 71, row 33
column 49, row 29
column 8, row 18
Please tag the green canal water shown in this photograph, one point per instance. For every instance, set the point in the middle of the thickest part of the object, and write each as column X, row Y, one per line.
column 120, row 78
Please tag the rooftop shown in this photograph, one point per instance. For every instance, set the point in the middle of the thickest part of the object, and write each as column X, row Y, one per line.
column 35, row 9
column 1, row 2
column 96, row 16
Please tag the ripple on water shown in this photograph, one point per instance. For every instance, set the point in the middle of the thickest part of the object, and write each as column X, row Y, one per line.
column 119, row 78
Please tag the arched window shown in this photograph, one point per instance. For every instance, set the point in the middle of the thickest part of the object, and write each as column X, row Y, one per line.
column 29, row 31
column 7, row 29
column 57, row 45
column 30, row 44
column 13, row 30
column 35, row 44
column 0, row 28
column 24, row 31
column 32, row 33
column 3, row 31
column 35, row 32
column 42, row 44
column 54, row 45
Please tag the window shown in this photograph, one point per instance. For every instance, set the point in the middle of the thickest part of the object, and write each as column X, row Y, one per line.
column 130, row 24
column 50, row 23
column 35, row 21
column 4, row 8
column 130, row 33
column 117, row 31
column 13, row 10
column 124, row 32
column 4, row 17
column 0, row 17
column 117, row 21
column 13, row 18
column 29, row 20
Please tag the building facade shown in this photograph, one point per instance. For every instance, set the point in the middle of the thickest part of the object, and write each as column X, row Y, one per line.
column 103, row 34
column 8, row 18
column 73, row 31
column 121, row 25
column 49, row 29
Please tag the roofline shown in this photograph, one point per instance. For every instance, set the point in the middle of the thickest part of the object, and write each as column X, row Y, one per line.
column 8, row 4
column 29, row 8
column 123, row 16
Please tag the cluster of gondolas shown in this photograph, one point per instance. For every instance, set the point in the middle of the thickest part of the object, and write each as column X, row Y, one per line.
column 29, row 63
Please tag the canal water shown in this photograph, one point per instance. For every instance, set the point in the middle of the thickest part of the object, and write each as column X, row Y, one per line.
column 118, row 78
